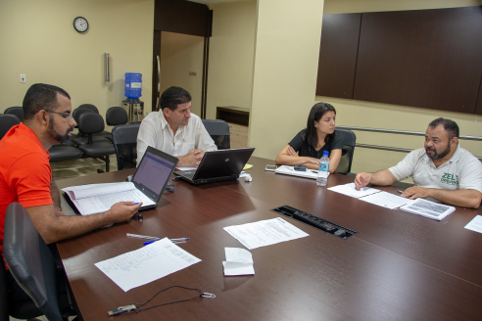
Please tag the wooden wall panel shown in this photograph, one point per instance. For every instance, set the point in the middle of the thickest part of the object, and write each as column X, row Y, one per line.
column 338, row 53
column 427, row 58
column 478, row 109
column 181, row 16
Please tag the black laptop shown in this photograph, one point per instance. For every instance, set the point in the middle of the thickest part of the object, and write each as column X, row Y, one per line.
column 218, row 165
column 153, row 173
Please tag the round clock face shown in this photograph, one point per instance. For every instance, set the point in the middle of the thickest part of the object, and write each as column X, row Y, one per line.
column 81, row 24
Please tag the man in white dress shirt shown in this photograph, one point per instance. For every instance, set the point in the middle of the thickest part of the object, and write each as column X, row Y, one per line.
column 441, row 170
column 174, row 130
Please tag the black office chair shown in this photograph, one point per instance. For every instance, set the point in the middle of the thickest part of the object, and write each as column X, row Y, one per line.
column 125, row 144
column 116, row 116
column 15, row 110
column 349, row 141
column 32, row 265
column 90, row 107
column 62, row 152
column 7, row 122
column 89, row 124
column 19, row 309
column 219, row 131
column 81, row 139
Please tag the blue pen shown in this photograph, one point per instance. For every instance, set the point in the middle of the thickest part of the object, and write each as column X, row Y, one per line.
column 175, row 241
column 136, row 203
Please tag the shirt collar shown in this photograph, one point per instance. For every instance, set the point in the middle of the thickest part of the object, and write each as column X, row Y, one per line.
column 31, row 135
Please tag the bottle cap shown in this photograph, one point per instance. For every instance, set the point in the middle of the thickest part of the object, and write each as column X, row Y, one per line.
column 325, row 153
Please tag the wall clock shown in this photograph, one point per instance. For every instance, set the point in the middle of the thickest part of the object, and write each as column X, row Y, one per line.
column 81, row 24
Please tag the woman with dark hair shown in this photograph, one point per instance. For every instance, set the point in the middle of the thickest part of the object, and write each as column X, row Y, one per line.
column 309, row 144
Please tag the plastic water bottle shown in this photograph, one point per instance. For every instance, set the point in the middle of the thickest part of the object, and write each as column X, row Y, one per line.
column 323, row 169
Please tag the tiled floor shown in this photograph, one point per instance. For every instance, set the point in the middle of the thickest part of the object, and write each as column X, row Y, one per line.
column 80, row 167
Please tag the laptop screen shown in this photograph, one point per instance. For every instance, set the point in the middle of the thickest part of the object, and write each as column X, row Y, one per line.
column 153, row 172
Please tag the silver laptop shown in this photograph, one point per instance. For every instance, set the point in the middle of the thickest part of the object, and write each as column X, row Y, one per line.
column 218, row 165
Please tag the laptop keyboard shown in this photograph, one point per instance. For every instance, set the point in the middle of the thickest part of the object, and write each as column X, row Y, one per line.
column 188, row 175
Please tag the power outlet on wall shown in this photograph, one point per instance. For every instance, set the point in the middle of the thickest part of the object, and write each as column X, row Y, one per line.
column 22, row 78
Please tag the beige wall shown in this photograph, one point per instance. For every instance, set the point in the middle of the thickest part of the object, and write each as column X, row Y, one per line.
column 182, row 55
column 285, row 68
column 38, row 39
column 231, row 55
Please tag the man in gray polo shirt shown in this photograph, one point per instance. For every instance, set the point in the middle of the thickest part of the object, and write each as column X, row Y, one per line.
column 441, row 170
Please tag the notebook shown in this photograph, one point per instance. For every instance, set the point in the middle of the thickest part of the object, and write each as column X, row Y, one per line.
column 147, row 186
column 218, row 165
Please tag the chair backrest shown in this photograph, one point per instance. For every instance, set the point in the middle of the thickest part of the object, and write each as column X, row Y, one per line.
column 15, row 110
column 219, row 131
column 116, row 116
column 80, row 111
column 90, row 107
column 90, row 123
column 349, row 142
column 30, row 261
column 125, row 144
column 7, row 122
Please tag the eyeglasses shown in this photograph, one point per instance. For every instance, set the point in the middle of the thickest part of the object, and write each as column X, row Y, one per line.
column 64, row 115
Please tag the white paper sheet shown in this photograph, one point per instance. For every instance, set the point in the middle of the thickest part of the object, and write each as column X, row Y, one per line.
column 386, row 200
column 290, row 170
column 264, row 233
column 149, row 263
column 475, row 224
column 238, row 262
column 350, row 190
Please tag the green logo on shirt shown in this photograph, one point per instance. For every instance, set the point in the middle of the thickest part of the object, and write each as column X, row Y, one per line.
column 450, row 179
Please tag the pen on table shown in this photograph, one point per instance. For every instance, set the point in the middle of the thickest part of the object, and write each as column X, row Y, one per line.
column 400, row 191
column 175, row 241
column 143, row 237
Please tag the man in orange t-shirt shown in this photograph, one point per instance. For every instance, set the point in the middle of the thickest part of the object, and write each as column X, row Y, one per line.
column 25, row 173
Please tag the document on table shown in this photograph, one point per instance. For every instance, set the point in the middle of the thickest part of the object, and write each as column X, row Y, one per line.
column 149, row 263
column 264, row 233
column 475, row 224
column 350, row 190
column 97, row 198
column 290, row 170
column 426, row 208
column 238, row 262
column 386, row 200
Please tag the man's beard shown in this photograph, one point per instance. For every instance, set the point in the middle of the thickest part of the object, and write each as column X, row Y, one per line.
column 61, row 139
column 438, row 156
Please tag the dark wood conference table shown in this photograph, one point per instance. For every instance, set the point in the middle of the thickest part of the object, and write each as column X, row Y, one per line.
column 399, row 266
